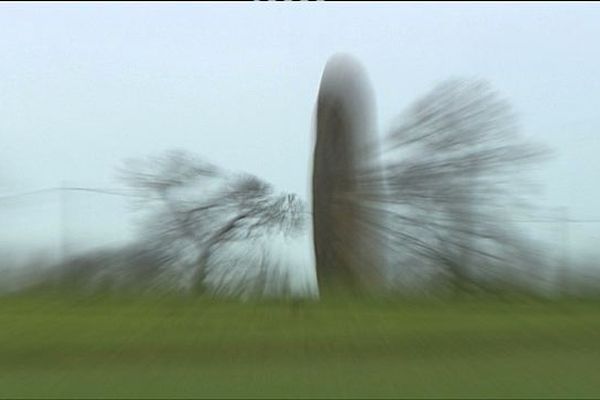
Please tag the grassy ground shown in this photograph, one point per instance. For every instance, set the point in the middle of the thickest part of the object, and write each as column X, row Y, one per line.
column 65, row 346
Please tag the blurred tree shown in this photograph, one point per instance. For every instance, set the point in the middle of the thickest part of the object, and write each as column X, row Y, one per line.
column 453, row 179
column 225, row 232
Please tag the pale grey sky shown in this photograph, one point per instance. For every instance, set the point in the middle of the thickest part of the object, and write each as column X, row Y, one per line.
column 84, row 86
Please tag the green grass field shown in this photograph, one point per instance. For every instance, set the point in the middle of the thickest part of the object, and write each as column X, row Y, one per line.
column 67, row 346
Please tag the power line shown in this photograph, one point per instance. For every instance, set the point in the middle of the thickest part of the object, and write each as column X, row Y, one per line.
column 553, row 221
column 124, row 193
column 114, row 192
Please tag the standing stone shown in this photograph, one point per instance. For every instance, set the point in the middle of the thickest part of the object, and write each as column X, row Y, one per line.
column 345, row 139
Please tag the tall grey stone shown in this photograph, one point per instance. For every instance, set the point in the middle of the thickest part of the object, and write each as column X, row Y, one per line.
column 344, row 148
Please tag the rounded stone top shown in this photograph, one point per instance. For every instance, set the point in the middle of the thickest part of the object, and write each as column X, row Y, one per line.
column 345, row 106
column 345, row 77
